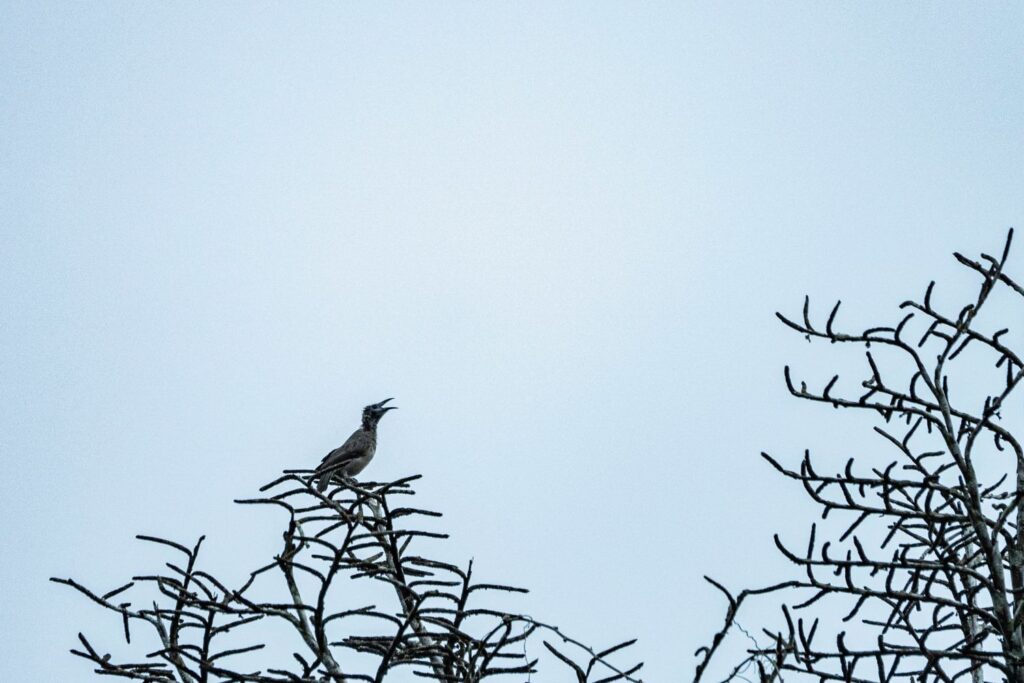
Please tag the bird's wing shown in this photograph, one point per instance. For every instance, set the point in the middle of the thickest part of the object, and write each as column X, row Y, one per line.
column 351, row 449
column 354, row 447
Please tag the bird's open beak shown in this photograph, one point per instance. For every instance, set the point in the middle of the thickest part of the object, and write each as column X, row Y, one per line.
column 380, row 406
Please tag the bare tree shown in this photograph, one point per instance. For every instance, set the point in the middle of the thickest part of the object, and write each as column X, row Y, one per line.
column 292, row 614
column 915, row 571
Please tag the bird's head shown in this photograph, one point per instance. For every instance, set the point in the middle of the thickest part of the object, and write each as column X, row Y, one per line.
column 375, row 411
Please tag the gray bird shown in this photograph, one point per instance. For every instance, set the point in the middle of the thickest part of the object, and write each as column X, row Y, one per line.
column 351, row 457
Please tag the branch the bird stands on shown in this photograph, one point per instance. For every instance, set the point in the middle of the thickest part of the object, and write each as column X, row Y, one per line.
column 437, row 622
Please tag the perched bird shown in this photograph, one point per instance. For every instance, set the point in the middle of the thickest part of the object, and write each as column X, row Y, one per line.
column 349, row 459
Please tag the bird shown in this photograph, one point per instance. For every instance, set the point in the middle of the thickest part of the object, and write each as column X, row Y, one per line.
column 351, row 457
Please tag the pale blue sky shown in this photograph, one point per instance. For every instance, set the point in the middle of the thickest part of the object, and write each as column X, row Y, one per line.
column 557, row 233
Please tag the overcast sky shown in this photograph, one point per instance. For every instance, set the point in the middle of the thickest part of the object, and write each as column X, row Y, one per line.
column 556, row 233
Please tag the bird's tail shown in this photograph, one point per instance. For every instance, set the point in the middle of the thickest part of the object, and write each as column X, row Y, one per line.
column 323, row 480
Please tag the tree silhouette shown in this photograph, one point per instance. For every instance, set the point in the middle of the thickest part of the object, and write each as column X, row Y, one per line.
column 917, row 569
column 291, row 613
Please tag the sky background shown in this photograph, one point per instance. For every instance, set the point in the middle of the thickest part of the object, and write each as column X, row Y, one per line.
column 556, row 233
